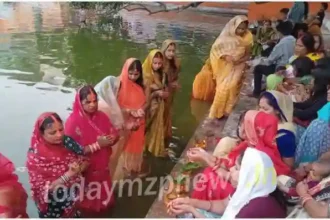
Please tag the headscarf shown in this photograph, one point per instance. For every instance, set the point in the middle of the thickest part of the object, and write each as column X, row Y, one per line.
column 176, row 61
column 148, row 72
column 107, row 90
column 46, row 163
column 228, row 43
column 13, row 189
column 261, row 131
column 128, row 87
column 284, row 105
column 257, row 178
column 85, row 129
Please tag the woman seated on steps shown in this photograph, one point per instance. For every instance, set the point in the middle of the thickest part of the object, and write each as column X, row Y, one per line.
column 258, row 200
column 256, row 129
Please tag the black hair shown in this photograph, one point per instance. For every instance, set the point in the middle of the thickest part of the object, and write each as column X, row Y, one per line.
column 285, row 11
column 279, row 68
column 240, row 121
column 299, row 27
column 303, row 66
column 320, row 43
column 285, row 28
column 323, row 63
column 85, row 91
column 271, row 100
column 308, row 41
column 306, row 9
column 137, row 65
column 278, row 195
column 325, row 5
column 321, row 82
column 49, row 121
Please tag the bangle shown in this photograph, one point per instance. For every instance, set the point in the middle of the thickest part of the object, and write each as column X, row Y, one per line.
column 91, row 148
column 97, row 146
column 305, row 200
column 210, row 207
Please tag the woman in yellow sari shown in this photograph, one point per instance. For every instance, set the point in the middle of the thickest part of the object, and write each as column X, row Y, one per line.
column 171, row 69
column 226, row 65
column 156, row 82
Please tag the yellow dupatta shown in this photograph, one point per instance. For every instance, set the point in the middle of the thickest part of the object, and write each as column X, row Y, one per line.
column 155, row 128
column 285, row 103
column 228, row 43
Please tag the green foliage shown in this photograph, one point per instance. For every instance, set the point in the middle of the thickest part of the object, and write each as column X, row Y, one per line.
column 94, row 5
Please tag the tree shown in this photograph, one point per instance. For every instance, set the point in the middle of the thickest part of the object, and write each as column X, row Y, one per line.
column 132, row 6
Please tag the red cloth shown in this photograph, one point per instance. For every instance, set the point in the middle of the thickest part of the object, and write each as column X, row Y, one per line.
column 266, row 126
column 12, row 189
column 85, row 129
column 46, row 163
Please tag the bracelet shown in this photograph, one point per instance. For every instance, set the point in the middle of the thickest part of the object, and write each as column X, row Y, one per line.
column 305, row 200
column 64, row 178
column 91, row 148
column 209, row 209
column 97, row 146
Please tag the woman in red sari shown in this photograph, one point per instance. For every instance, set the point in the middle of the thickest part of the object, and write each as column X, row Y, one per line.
column 54, row 163
column 258, row 130
column 87, row 125
column 12, row 194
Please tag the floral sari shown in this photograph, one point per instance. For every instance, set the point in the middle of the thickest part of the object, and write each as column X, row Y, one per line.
column 155, row 127
column 85, row 129
column 46, row 163
column 228, row 77
column 172, row 73
column 12, row 194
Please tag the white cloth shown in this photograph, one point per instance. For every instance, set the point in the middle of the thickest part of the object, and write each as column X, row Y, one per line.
column 257, row 178
column 107, row 90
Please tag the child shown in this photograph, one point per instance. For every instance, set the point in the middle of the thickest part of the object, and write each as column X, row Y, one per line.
column 318, row 171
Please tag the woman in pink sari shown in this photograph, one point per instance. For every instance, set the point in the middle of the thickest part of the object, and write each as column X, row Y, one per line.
column 12, row 194
column 88, row 126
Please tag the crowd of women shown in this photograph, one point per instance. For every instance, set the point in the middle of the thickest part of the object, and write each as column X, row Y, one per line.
column 280, row 163
column 71, row 166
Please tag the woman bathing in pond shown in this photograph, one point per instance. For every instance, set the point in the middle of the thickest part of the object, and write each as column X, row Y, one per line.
column 256, row 129
column 171, row 69
column 281, row 105
column 226, row 65
column 90, row 127
column 13, row 197
column 132, row 112
column 255, row 195
column 54, row 167
column 156, row 82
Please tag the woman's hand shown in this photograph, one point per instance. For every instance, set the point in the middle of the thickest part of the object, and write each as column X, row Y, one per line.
column 180, row 209
column 175, row 85
column 132, row 126
column 302, row 188
column 104, row 141
column 197, row 154
column 162, row 94
column 74, row 168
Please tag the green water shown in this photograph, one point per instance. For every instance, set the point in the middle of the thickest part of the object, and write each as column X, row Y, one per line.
column 41, row 62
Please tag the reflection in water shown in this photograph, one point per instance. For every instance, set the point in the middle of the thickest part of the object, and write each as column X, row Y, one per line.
column 45, row 55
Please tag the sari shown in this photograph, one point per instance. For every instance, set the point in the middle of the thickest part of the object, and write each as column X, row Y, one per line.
column 107, row 91
column 47, row 163
column 261, row 131
column 172, row 73
column 263, row 36
column 220, row 78
column 134, row 144
column 315, row 140
column 85, row 129
column 285, row 138
column 12, row 194
column 155, row 124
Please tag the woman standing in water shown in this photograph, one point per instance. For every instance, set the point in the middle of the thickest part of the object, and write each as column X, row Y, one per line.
column 54, row 168
column 156, row 82
column 171, row 69
column 12, row 194
column 226, row 65
column 128, row 111
column 88, row 126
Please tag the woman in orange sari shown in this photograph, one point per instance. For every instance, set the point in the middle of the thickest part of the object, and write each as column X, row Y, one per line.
column 132, row 101
column 226, row 65
column 171, row 69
